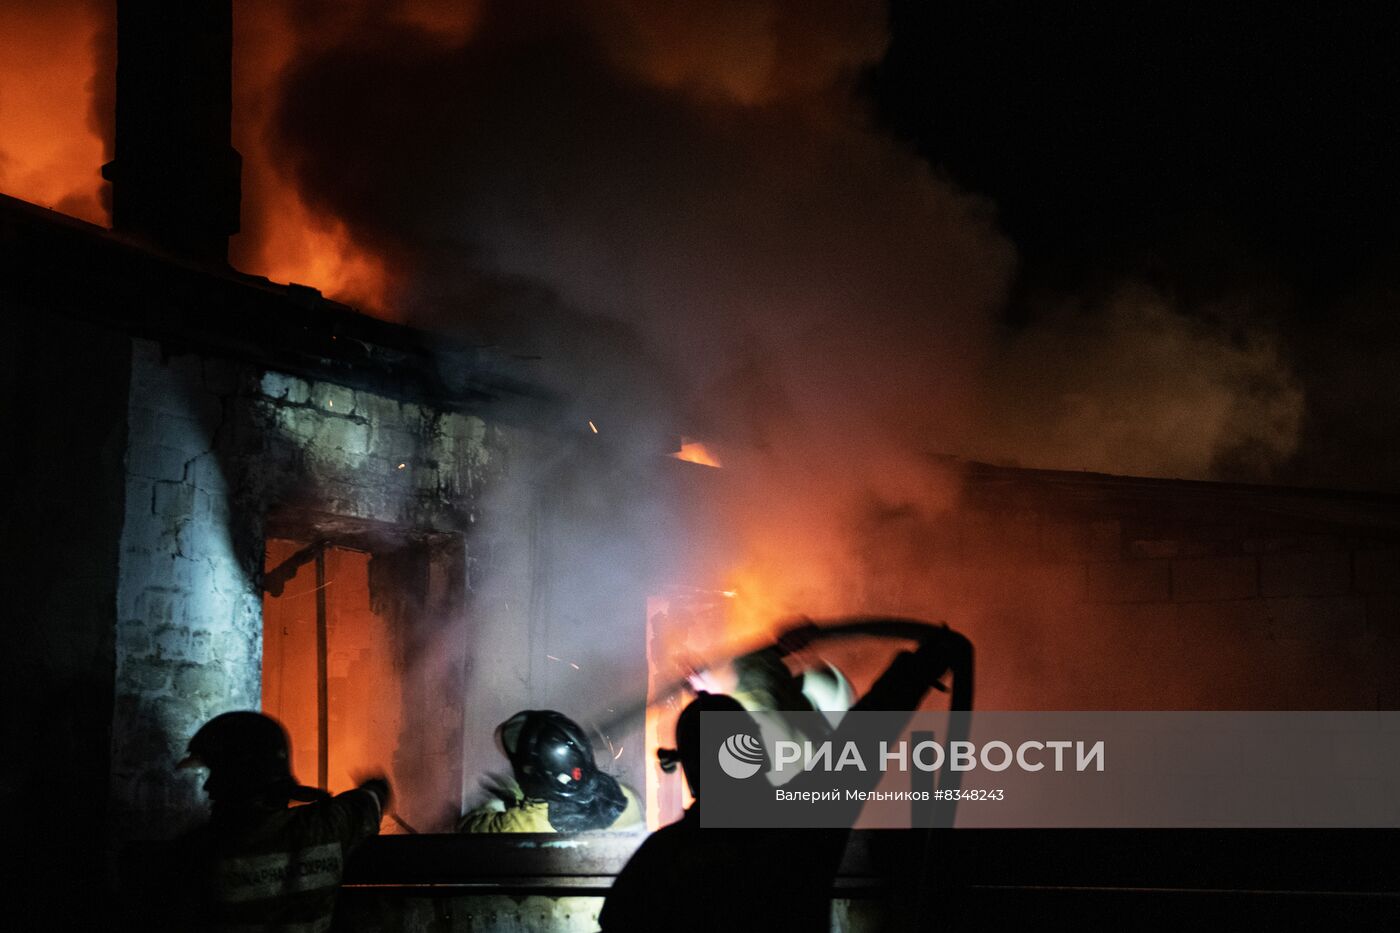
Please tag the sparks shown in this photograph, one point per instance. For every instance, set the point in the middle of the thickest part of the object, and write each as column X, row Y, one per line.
column 401, row 466
column 593, row 426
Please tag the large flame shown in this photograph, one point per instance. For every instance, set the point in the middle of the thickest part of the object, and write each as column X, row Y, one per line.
column 56, row 83
column 51, row 149
column 283, row 237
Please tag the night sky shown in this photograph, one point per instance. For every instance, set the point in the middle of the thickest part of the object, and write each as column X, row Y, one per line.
column 1237, row 153
column 1152, row 134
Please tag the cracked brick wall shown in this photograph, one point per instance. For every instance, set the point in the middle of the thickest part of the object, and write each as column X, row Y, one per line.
column 213, row 448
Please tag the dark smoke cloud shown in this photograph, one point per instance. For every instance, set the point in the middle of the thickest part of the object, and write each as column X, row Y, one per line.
column 1134, row 385
column 778, row 256
column 712, row 184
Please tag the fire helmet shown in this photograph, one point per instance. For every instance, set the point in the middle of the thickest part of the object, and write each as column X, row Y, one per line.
column 247, row 753
column 829, row 692
column 549, row 752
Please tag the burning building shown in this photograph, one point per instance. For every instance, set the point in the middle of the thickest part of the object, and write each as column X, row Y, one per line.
column 228, row 493
column 235, row 495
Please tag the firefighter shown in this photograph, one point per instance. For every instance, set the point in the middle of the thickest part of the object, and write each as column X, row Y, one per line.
column 555, row 785
column 764, row 684
column 259, row 863
column 685, row 878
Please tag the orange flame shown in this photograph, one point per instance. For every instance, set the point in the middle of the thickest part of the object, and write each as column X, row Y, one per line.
column 696, row 452
column 51, row 151
column 294, row 245
column 284, row 238
column 52, row 71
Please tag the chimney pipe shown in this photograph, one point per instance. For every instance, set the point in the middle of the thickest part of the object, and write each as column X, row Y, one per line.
column 175, row 177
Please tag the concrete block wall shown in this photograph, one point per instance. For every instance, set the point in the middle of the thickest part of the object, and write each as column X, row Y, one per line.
column 324, row 448
column 1093, row 599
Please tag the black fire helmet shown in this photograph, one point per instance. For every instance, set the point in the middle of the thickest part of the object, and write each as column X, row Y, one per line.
column 247, row 754
column 549, row 752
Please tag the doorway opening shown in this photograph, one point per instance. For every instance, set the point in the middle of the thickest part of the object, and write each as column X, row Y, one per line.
column 363, row 660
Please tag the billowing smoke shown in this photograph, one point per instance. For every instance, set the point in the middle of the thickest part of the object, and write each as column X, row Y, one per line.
column 706, row 176
column 700, row 186
column 685, row 218
column 699, row 236
column 698, row 201
column 1134, row 386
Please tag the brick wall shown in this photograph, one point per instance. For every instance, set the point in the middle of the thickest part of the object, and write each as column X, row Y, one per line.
column 213, row 449
column 1104, row 593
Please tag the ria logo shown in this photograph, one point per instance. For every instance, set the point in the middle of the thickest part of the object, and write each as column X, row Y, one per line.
column 741, row 755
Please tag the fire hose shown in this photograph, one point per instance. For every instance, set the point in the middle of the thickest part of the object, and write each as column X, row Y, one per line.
column 960, row 649
column 846, row 627
column 959, row 658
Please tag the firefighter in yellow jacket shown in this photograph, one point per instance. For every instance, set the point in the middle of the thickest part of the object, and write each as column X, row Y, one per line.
column 258, row 863
column 555, row 786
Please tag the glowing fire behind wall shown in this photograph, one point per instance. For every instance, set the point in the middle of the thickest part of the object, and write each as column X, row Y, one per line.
column 363, row 684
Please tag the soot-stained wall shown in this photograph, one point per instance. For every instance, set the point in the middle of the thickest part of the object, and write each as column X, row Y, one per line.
column 215, row 449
